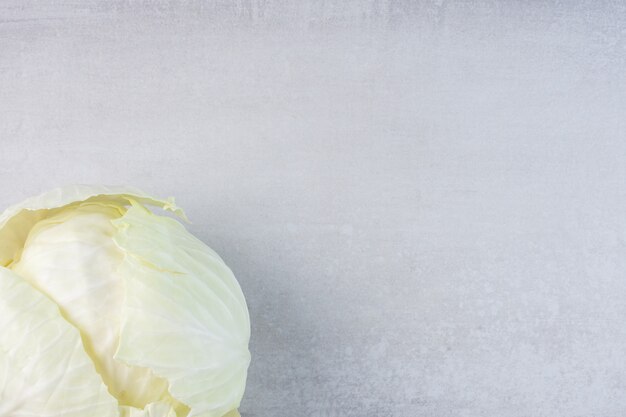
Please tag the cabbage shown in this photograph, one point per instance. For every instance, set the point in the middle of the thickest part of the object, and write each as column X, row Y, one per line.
column 108, row 309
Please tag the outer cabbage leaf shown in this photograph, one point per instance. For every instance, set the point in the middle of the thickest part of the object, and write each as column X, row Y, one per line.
column 180, row 290
column 44, row 370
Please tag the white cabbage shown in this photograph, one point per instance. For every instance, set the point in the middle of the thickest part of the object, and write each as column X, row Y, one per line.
column 108, row 309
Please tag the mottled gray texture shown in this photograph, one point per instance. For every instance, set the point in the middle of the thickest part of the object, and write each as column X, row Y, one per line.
column 425, row 203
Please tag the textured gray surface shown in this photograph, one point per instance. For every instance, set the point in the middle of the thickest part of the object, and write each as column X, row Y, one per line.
column 425, row 205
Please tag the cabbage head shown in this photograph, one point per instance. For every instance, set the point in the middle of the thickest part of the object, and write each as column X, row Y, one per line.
column 108, row 309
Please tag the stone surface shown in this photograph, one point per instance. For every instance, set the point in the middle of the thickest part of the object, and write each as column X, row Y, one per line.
column 425, row 205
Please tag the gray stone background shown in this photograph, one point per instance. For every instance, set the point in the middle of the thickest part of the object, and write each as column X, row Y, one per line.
column 424, row 202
